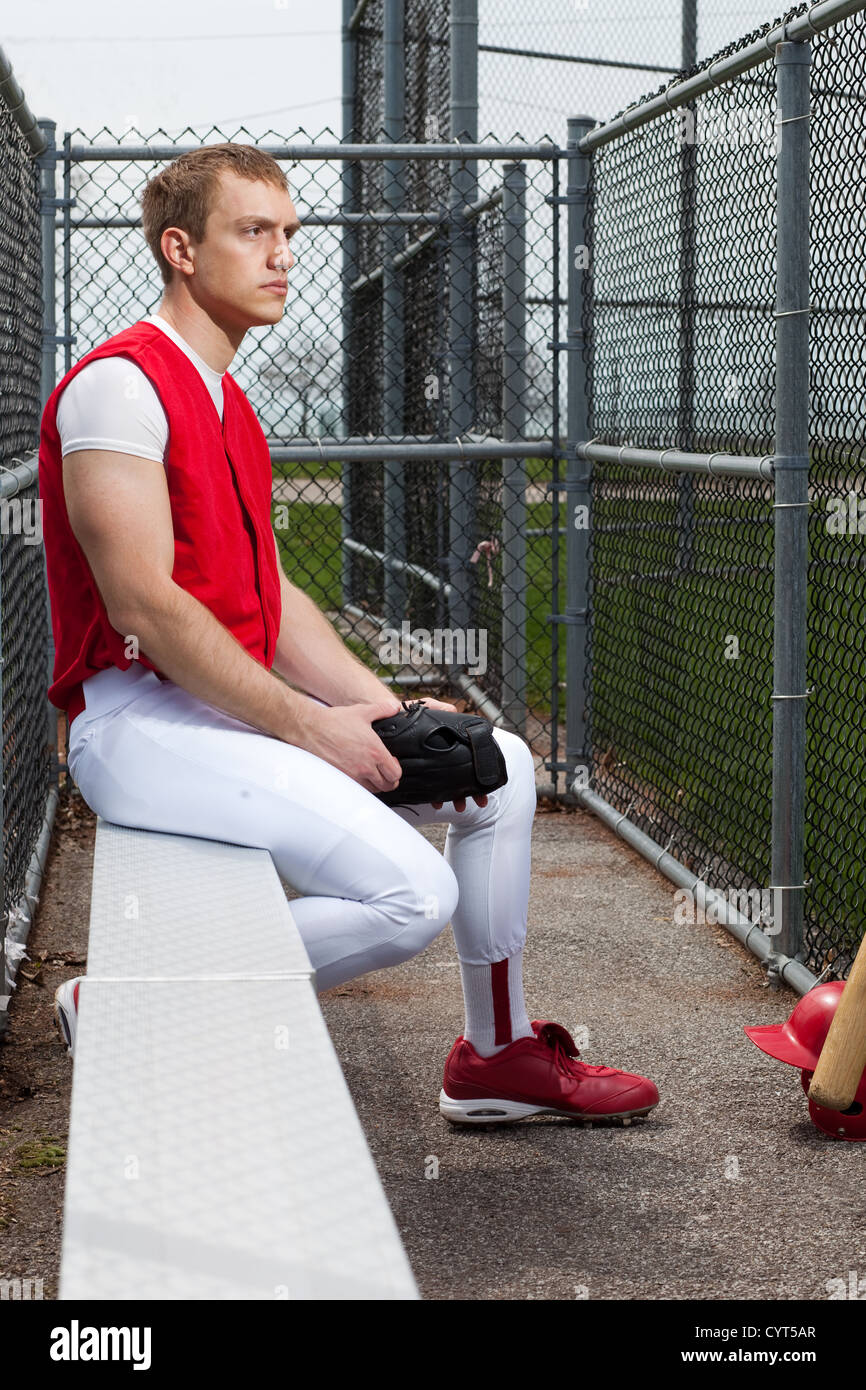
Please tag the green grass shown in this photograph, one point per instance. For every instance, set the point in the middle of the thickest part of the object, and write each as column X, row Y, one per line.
column 45, row 1152
column 537, row 470
column 331, row 469
column 310, row 550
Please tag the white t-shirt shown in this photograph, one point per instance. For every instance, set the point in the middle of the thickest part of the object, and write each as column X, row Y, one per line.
column 111, row 404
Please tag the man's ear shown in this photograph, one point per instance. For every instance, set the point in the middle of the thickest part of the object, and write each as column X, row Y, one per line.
column 175, row 247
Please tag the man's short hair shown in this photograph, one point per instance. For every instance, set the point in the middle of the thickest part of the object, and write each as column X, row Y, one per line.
column 182, row 193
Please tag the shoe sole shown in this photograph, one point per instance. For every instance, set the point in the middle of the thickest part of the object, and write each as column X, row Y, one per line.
column 60, row 1025
column 496, row 1111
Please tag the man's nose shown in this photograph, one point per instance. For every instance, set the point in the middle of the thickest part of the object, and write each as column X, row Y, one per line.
column 283, row 256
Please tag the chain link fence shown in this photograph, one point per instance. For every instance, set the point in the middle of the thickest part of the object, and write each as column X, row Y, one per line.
column 591, row 59
column 27, row 806
column 681, row 354
column 538, row 65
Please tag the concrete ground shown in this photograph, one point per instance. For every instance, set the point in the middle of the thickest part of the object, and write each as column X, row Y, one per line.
column 725, row 1192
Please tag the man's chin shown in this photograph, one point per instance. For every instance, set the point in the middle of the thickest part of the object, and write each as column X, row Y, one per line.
column 258, row 317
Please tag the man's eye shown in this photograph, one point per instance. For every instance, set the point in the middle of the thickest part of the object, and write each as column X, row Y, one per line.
column 253, row 229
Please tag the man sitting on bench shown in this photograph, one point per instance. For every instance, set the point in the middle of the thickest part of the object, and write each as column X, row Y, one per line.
column 174, row 621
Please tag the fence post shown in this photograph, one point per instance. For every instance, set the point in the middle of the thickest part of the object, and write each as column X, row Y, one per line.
column 514, row 427
column 48, row 213
column 578, row 742
column 686, row 385
column 791, row 504
column 47, row 199
column 348, row 202
column 689, row 33
column 69, row 337
column 394, row 65
column 463, row 28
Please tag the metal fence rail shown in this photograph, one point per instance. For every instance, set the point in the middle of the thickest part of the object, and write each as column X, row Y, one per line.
column 702, row 728
column 28, row 792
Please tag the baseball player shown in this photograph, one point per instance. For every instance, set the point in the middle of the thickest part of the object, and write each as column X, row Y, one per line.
column 208, row 695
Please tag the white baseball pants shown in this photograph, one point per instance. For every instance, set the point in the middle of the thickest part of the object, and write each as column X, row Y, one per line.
column 147, row 753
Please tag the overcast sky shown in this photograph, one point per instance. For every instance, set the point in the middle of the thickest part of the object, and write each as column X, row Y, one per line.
column 276, row 64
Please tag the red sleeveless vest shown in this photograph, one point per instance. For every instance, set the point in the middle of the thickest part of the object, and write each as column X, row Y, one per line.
column 219, row 480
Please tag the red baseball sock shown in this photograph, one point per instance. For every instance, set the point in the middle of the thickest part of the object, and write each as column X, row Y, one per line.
column 495, row 1009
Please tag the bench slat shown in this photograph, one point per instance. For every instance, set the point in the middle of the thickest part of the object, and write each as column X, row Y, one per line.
column 168, row 906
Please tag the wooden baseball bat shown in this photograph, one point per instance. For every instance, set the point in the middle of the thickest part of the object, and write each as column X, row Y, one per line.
column 843, row 1056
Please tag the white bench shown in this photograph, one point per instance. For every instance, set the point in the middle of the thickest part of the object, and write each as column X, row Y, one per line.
column 214, row 1148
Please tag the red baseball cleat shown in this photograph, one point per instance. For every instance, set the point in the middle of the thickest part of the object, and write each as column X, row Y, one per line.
column 539, row 1075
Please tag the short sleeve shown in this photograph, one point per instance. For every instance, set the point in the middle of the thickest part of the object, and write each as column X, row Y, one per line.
column 111, row 404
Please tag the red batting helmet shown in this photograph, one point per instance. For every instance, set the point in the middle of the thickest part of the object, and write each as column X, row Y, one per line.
column 799, row 1041
column 842, row 1124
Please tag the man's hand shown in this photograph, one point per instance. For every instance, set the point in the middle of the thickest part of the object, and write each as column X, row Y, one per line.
column 460, row 803
column 342, row 736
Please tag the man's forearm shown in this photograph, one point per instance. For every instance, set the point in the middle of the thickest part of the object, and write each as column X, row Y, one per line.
column 191, row 647
column 313, row 656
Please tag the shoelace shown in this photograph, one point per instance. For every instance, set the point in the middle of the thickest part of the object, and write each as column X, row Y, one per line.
column 567, row 1055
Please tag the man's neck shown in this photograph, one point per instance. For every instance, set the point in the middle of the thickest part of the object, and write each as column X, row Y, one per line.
column 214, row 344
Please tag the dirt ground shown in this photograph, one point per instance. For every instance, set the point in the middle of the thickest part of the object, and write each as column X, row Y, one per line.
column 35, row 1070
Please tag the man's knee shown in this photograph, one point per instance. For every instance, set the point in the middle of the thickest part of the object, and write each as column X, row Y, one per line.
column 440, row 902
column 517, row 754
column 429, row 912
